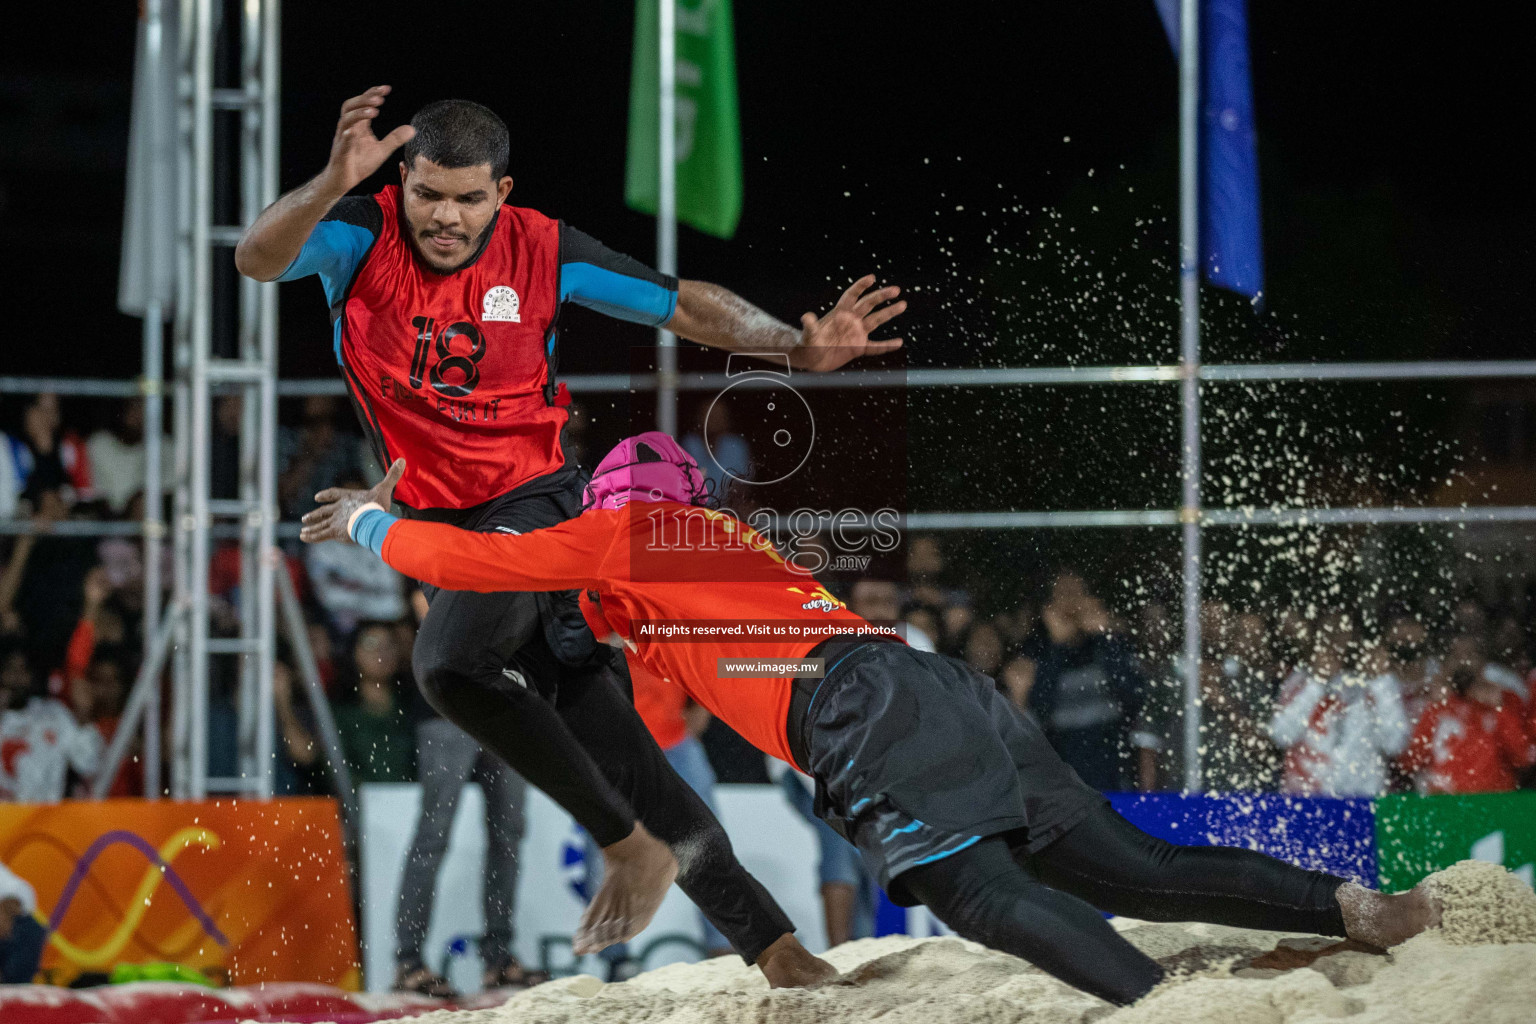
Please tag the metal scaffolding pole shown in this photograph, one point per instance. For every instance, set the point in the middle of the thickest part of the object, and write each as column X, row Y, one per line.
column 253, row 371
column 199, row 420
column 181, row 664
column 971, row 377
column 266, row 70
column 666, row 207
column 152, row 387
column 1189, row 365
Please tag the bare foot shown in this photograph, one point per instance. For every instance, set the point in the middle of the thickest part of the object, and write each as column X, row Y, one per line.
column 1383, row 920
column 787, row 964
column 637, row 871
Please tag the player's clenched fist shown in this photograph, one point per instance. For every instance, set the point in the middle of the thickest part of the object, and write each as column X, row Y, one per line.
column 356, row 152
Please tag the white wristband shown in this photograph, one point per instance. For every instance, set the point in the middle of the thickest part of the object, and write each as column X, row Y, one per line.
column 352, row 519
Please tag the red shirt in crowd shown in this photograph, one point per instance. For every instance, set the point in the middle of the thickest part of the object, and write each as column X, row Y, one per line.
column 661, row 704
column 1466, row 746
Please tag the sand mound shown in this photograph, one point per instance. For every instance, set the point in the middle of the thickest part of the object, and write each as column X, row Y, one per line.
column 1481, row 967
column 1484, row 903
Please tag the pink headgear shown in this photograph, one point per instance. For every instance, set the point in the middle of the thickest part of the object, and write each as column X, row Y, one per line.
column 647, row 467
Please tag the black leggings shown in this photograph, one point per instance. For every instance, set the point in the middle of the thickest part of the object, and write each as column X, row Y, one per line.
column 1045, row 907
column 572, row 732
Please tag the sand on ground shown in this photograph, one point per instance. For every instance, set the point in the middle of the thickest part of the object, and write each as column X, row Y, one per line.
column 1478, row 968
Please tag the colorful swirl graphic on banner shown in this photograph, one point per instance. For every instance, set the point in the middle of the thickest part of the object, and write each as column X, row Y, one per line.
column 158, row 869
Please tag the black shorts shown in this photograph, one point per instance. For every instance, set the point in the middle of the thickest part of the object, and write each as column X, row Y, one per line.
column 917, row 756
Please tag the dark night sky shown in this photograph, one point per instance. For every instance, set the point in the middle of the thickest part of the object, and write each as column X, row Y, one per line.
column 1398, row 213
column 1389, row 142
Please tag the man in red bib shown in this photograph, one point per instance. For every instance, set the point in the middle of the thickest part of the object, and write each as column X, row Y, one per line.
column 445, row 307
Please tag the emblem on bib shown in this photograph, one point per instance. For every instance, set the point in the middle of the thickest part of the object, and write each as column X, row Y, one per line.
column 501, row 304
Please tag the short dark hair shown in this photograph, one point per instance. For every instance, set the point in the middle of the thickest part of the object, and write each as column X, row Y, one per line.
column 459, row 133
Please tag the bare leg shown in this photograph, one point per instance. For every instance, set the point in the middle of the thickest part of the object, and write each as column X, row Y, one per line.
column 837, row 905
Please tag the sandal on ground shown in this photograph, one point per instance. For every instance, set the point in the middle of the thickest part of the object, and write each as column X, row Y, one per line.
column 513, row 974
column 423, row 981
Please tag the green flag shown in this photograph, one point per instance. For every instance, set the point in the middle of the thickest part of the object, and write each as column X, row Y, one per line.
column 708, row 130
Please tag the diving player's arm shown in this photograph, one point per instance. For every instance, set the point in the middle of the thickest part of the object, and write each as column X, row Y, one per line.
column 564, row 557
column 595, row 276
column 271, row 247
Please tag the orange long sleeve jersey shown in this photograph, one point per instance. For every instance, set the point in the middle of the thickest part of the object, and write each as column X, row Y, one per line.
column 683, row 587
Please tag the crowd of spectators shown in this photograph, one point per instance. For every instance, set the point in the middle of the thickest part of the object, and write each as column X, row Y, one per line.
column 1299, row 700
column 1304, row 701
column 71, row 608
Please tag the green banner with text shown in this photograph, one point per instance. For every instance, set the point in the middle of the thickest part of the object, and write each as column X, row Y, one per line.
column 1418, row 835
column 708, row 125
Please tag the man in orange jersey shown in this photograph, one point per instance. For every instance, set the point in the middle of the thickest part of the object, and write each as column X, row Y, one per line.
column 953, row 797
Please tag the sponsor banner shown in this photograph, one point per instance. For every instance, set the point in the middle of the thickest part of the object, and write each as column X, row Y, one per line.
column 1418, row 835
column 243, row 891
column 1318, row 833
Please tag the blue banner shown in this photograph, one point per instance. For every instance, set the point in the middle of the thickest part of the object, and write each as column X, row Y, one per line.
column 1319, row 833
column 1313, row 832
column 1231, row 244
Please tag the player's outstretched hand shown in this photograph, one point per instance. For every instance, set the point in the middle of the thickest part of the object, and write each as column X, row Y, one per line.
column 329, row 521
column 355, row 151
column 843, row 334
column 637, row 871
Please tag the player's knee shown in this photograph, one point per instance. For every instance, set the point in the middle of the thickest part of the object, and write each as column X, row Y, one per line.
column 446, row 686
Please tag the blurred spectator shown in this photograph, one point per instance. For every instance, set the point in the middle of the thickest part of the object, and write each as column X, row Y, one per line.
column 117, row 458
column 1469, row 617
column 927, row 577
column 1086, row 686
column 14, row 464
column 983, row 649
column 46, row 456
column 41, row 740
column 1236, row 702
column 1510, row 646
column 1338, row 729
column 351, row 583
column 1472, row 739
column 1293, row 642
column 41, row 585
column 1406, row 660
column 375, row 737
column 325, row 655
column 21, row 934
column 315, row 456
column 448, row 759
column 721, row 453
column 573, row 439
column 224, row 453
column 922, row 625
column 879, row 602
column 100, row 698
column 847, row 890
column 1506, row 664
column 298, row 763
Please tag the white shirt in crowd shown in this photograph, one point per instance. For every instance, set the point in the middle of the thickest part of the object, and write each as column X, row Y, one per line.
column 353, row 585
column 117, row 467
column 39, row 743
column 13, row 886
column 1339, row 737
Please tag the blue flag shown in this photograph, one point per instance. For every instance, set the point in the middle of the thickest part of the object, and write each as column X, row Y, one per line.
column 1231, row 245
